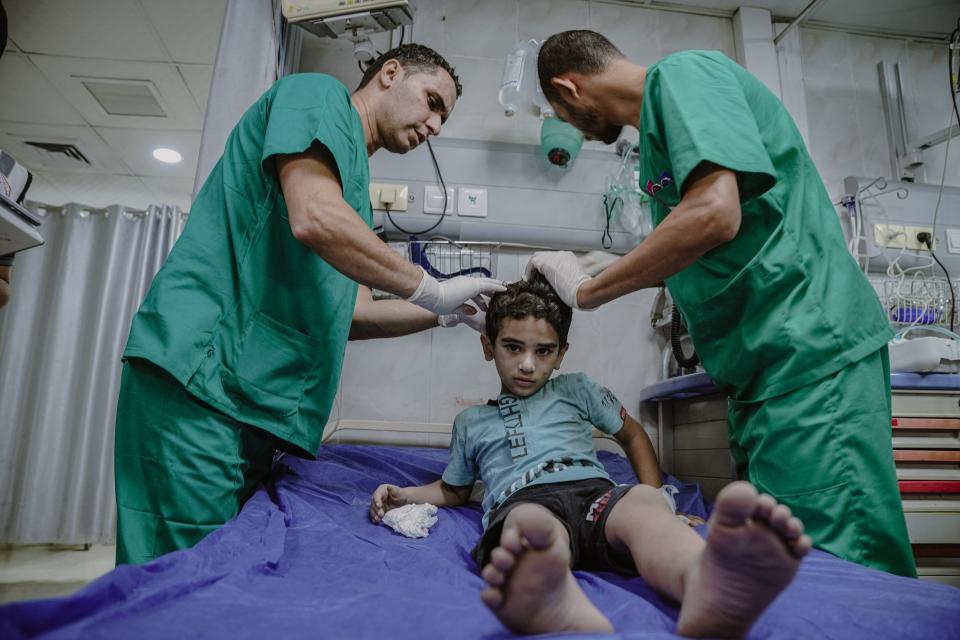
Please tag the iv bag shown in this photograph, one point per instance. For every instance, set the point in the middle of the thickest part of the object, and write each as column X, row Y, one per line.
column 540, row 100
column 519, row 77
column 635, row 216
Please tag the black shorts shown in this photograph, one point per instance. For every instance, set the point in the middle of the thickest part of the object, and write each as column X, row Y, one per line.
column 582, row 506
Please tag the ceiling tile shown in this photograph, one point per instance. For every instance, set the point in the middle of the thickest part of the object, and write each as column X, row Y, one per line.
column 43, row 190
column 198, row 77
column 89, row 29
column 933, row 17
column 135, row 147
column 190, row 29
column 919, row 17
column 67, row 75
column 29, row 97
column 13, row 137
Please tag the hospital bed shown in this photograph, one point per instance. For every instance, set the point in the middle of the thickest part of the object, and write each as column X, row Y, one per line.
column 303, row 560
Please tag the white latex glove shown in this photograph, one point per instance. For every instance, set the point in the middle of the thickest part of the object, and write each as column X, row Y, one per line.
column 562, row 270
column 476, row 320
column 446, row 297
column 593, row 262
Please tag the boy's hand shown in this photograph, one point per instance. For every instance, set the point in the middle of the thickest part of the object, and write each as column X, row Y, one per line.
column 386, row 497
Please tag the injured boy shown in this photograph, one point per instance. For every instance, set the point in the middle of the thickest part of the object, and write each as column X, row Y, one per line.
column 550, row 507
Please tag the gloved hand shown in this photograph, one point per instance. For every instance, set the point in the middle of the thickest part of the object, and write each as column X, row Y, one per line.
column 562, row 270
column 446, row 297
column 475, row 319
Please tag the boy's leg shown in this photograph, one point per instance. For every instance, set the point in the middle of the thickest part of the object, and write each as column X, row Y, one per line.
column 826, row 451
column 530, row 586
column 182, row 468
column 751, row 553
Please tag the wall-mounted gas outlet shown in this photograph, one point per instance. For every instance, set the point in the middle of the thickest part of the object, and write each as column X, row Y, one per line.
column 473, row 202
column 384, row 195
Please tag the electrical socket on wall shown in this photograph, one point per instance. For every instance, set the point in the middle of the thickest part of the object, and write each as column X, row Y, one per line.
column 896, row 236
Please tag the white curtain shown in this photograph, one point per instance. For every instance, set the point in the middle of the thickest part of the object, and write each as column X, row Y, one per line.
column 61, row 338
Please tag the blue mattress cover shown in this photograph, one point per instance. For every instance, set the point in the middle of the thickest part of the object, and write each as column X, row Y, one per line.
column 303, row 560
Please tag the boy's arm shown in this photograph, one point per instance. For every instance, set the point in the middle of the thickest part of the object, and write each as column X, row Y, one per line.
column 639, row 450
column 439, row 493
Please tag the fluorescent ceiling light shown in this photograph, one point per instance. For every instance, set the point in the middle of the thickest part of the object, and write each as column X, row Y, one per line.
column 167, row 155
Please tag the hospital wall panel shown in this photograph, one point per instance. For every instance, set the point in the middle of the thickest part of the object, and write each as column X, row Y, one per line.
column 432, row 376
column 847, row 131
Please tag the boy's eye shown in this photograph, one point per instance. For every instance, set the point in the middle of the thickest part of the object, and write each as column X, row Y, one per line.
column 544, row 351
column 513, row 348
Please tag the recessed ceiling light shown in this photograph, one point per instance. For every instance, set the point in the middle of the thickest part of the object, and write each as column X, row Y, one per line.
column 167, row 155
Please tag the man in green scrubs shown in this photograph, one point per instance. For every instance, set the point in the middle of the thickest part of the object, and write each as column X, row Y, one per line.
column 236, row 351
column 752, row 252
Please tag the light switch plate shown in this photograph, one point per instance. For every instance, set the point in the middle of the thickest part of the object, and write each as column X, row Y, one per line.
column 433, row 199
column 953, row 240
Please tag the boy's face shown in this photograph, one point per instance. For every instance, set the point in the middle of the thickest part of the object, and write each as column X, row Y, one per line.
column 526, row 353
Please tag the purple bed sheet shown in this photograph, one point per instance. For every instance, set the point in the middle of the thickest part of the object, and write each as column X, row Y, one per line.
column 303, row 560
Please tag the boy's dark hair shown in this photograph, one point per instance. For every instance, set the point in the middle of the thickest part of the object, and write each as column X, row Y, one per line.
column 413, row 58
column 583, row 51
column 524, row 298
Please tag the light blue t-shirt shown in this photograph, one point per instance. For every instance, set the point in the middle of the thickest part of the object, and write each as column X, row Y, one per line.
column 515, row 442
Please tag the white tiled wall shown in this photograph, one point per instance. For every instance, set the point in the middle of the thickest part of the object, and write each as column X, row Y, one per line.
column 433, row 375
column 847, row 130
column 476, row 35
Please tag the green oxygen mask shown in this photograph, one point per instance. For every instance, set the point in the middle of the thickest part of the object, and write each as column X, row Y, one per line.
column 560, row 141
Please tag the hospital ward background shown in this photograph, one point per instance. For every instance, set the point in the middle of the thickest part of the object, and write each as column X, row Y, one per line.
column 113, row 113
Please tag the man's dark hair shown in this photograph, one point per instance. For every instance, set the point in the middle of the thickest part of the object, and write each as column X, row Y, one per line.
column 414, row 58
column 583, row 51
column 533, row 297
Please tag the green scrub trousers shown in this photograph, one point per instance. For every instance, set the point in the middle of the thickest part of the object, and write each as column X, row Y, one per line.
column 825, row 450
column 182, row 467
column 782, row 316
column 237, row 349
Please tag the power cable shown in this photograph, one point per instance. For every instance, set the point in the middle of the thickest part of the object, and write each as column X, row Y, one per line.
column 443, row 214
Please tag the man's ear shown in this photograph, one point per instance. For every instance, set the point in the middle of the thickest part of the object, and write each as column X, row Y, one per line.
column 390, row 73
column 487, row 347
column 569, row 90
column 562, row 352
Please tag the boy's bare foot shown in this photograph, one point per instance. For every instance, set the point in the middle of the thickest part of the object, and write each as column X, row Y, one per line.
column 753, row 549
column 530, row 586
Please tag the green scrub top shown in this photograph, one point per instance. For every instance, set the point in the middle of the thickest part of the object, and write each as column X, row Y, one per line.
column 783, row 304
column 243, row 315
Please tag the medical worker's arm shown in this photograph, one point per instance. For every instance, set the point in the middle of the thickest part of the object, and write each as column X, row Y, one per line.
column 387, row 318
column 639, row 450
column 4, row 285
column 707, row 216
column 323, row 221
column 391, row 318
column 439, row 493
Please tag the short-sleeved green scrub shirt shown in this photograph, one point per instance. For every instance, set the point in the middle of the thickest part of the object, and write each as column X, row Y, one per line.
column 783, row 304
column 243, row 315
